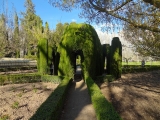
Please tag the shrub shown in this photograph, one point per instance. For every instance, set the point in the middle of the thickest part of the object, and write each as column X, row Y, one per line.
column 116, row 58
column 104, row 109
column 51, row 108
column 80, row 39
column 42, row 61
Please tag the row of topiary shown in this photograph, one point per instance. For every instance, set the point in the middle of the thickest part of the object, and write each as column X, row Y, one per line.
column 80, row 39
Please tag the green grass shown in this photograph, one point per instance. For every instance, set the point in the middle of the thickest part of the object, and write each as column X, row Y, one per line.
column 104, row 109
column 139, row 63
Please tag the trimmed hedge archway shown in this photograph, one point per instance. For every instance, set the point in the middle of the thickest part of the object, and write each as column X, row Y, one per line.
column 80, row 39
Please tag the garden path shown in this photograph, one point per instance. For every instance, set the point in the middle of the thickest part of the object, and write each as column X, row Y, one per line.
column 78, row 104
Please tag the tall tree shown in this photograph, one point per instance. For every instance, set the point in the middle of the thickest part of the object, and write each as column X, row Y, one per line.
column 28, row 24
column 16, row 38
column 3, row 35
column 115, row 11
column 59, row 32
column 145, row 42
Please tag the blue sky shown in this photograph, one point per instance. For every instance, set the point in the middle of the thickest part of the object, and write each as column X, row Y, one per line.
column 53, row 16
column 47, row 12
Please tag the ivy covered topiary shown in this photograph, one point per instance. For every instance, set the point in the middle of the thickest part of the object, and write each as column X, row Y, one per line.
column 42, row 61
column 116, row 58
column 80, row 39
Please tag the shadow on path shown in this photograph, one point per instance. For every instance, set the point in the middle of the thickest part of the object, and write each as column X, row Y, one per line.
column 78, row 103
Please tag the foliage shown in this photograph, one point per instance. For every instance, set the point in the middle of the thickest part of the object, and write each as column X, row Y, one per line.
column 3, row 35
column 4, row 117
column 80, row 39
column 116, row 58
column 51, row 108
column 138, row 68
column 42, row 61
column 15, row 105
column 51, row 78
column 111, row 11
column 104, row 109
column 19, row 78
column 145, row 42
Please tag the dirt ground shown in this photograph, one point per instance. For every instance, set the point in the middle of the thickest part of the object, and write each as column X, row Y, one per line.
column 20, row 101
column 135, row 96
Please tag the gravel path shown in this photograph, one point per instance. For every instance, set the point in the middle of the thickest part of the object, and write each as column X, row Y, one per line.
column 78, row 103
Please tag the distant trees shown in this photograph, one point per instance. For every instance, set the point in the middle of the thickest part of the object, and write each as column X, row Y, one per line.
column 19, row 36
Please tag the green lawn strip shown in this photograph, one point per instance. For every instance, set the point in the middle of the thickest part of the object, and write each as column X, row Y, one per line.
column 51, row 108
column 104, row 109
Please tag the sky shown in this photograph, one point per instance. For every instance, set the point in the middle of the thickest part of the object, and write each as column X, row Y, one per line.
column 54, row 15
column 46, row 11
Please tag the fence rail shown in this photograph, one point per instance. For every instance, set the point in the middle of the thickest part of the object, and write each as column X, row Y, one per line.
column 17, row 63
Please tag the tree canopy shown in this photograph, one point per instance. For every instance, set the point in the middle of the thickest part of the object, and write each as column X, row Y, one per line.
column 116, row 11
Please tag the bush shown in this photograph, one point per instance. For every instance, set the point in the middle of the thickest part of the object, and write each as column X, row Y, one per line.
column 19, row 78
column 80, row 39
column 136, row 68
column 51, row 78
column 42, row 59
column 116, row 58
column 51, row 108
column 29, row 78
column 104, row 109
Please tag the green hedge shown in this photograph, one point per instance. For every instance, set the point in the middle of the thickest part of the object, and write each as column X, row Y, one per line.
column 104, row 109
column 51, row 108
column 42, row 56
column 29, row 78
column 136, row 68
column 80, row 39
column 19, row 78
column 116, row 58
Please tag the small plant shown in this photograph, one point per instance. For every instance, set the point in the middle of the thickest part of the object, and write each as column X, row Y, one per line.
column 19, row 95
column 35, row 90
column 15, row 105
column 13, row 89
column 4, row 117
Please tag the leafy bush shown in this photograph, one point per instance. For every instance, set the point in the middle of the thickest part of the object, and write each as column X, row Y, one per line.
column 116, row 58
column 51, row 78
column 42, row 60
column 28, row 78
column 104, row 109
column 81, row 38
column 51, row 108
column 19, row 78
column 136, row 68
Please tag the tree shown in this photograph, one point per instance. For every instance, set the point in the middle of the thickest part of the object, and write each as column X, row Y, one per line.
column 28, row 23
column 113, row 11
column 3, row 35
column 16, row 38
column 57, row 35
column 145, row 42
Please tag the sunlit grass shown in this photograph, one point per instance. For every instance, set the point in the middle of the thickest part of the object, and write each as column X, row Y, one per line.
column 139, row 63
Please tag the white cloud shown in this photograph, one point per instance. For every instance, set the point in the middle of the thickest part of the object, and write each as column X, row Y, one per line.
column 73, row 20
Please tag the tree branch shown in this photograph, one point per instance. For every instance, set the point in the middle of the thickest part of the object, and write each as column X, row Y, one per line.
column 155, row 3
